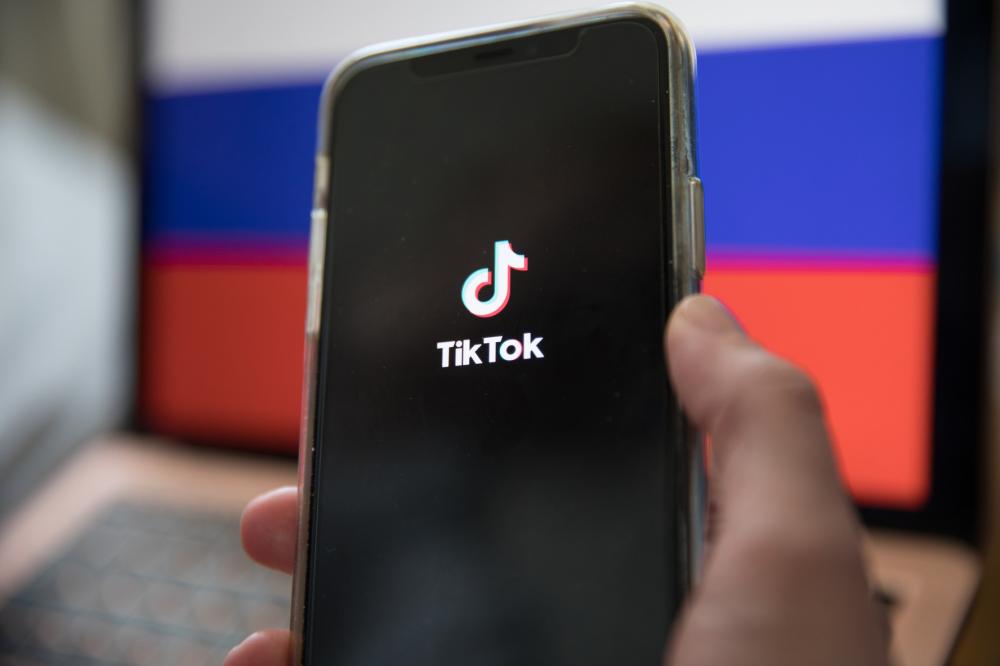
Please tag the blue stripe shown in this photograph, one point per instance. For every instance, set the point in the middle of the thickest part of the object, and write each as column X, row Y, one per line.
column 825, row 148
column 829, row 149
column 230, row 165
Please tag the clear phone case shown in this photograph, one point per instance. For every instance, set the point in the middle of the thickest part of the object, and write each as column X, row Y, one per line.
column 684, row 273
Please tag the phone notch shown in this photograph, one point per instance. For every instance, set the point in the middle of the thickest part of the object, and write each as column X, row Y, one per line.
column 540, row 46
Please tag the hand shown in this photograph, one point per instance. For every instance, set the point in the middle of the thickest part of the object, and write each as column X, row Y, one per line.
column 784, row 581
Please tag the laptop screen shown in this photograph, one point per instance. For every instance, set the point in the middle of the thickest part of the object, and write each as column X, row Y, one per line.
column 821, row 167
column 819, row 149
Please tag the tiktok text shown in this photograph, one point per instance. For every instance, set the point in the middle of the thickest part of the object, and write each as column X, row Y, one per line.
column 463, row 352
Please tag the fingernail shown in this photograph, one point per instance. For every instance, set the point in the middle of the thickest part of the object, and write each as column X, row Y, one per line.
column 229, row 655
column 706, row 314
column 235, row 652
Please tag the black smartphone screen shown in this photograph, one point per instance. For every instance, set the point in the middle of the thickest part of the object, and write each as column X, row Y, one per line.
column 493, row 458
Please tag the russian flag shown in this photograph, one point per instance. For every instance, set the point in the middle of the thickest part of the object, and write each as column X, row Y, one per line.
column 818, row 129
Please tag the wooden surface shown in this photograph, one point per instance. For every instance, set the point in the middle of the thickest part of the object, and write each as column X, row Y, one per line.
column 980, row 641
column 934, row 582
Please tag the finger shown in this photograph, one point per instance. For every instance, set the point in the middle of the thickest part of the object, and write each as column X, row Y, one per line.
column 765, row 420
column 785, row 574
column 271, row 647
column 269, row 528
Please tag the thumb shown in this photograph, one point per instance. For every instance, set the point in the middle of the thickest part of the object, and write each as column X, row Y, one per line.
column 784, row 581
column 769, row 443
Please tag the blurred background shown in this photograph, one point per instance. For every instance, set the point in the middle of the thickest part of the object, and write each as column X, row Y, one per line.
column 155, row 186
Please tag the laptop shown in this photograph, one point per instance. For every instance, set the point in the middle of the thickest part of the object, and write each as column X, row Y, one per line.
column 843, row 147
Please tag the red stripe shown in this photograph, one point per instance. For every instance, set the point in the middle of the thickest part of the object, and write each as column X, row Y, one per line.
column 222, row 353
column 866, row 337
column 222, row 357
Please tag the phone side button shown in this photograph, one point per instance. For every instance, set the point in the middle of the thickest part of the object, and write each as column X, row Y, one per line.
column 317, row 250
column 696, row 196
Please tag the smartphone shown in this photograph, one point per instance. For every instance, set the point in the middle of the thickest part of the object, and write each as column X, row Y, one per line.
column 494, row 469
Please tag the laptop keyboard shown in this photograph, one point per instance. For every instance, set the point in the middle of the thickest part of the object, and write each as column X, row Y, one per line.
column 144, row 585
column 149, row 585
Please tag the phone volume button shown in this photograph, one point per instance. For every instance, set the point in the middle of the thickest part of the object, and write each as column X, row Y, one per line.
column 696, row 197
column 317, row 252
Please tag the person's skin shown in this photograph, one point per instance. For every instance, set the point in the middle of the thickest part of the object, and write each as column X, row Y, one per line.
column 784, row 581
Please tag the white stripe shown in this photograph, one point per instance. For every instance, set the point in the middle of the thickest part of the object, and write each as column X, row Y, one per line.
column 199, row 42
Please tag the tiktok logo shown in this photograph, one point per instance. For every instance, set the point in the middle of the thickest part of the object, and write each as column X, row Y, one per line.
column 459, row 353
column 504, row 261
